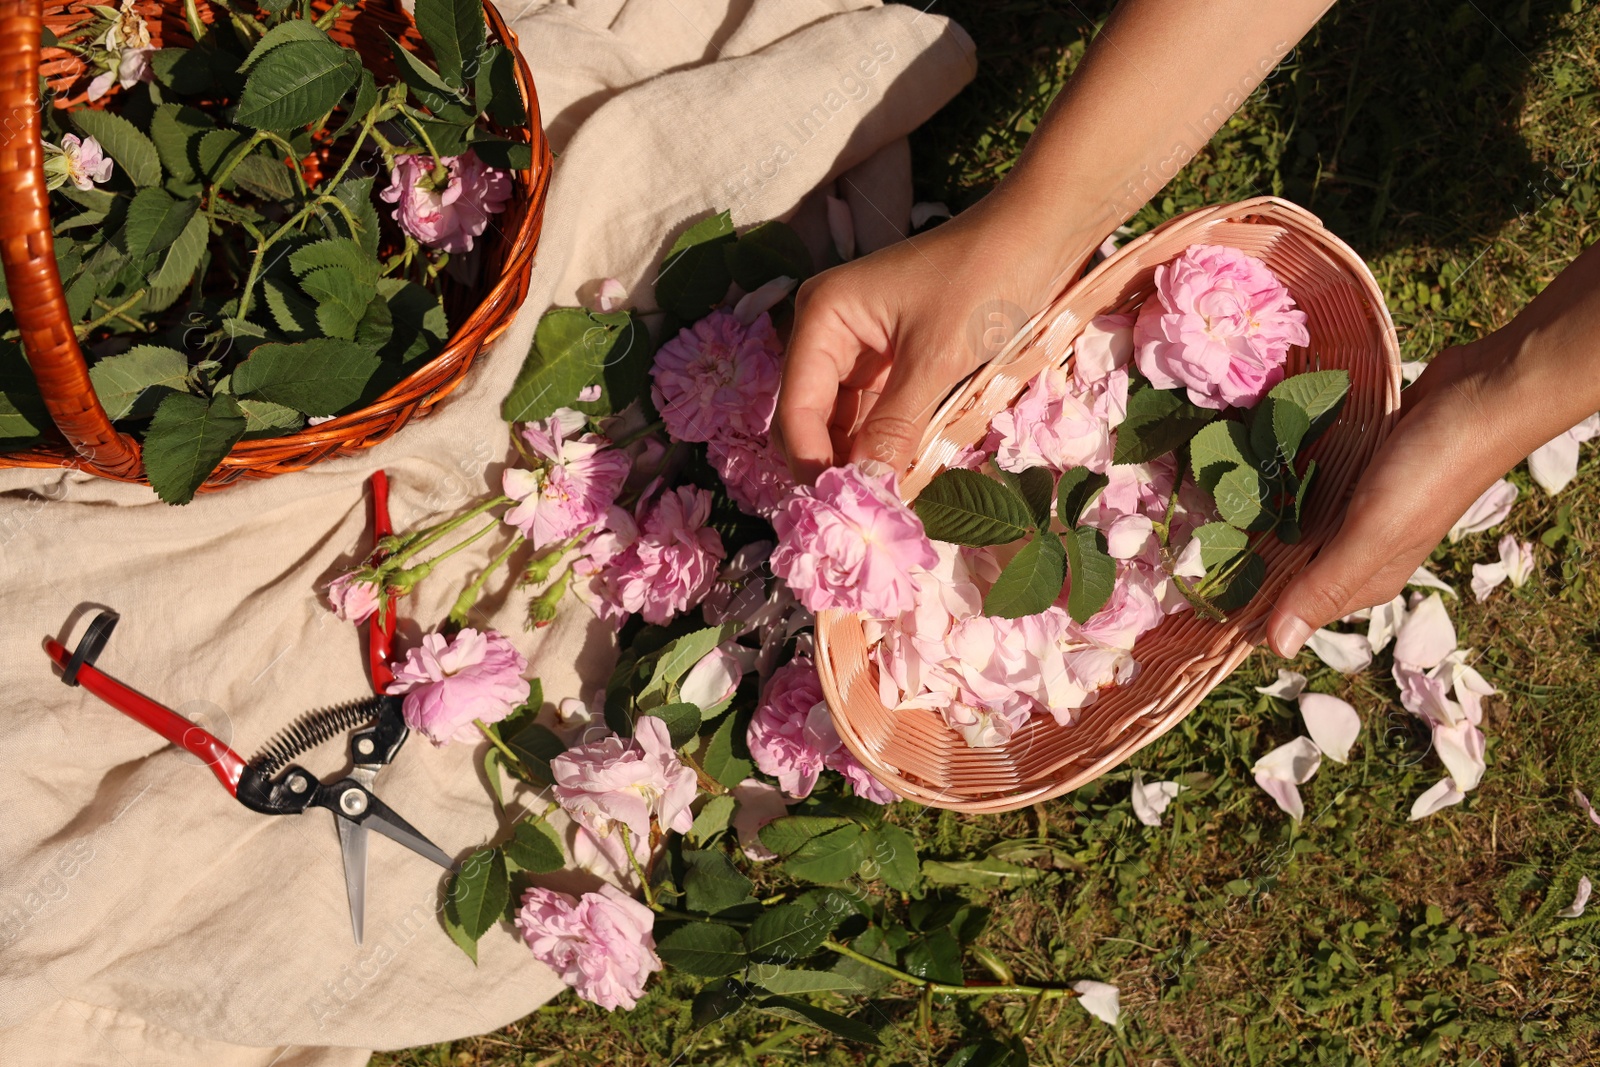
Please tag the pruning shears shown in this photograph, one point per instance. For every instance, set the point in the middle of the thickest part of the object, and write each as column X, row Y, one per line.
column 271, row 782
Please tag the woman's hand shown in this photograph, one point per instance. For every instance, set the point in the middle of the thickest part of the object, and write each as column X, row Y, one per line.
column 878, row 343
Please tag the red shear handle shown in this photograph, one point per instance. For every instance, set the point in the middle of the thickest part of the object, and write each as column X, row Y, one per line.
column 380, row 638
column 224, row 762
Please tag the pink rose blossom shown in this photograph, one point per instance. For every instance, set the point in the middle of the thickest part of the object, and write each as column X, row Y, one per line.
column 625, row 784
column 450, row 681
column 718, row 377
column 353, row 599
column 669, row 563
column 451, row 218
column 601, row 944
column 792, row 736
column 757, row 804
column 756, row 476
column 572, row 488
column 80, row 161
column 1219, row 324
column 1105, row 346
column 1056, row 424
column 849, row 542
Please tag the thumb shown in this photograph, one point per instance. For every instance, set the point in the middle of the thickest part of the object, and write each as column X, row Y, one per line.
column 893, row 428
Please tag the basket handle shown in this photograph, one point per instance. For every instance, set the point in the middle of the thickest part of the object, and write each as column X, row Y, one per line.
column 27, row 251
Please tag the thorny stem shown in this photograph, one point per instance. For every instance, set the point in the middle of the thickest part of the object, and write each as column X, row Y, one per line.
column 497, row 743
column 115, row 313
column 413, row 575
column 444, row 528
column 1043, row 993
column 644, row 879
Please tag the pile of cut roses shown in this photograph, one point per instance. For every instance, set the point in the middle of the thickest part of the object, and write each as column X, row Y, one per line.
column 704, row 793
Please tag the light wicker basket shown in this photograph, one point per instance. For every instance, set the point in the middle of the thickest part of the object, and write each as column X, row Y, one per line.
column 922, row 759
column 85, row 437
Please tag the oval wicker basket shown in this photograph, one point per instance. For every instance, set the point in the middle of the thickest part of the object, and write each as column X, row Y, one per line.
column 922, row 759
column 87, row 440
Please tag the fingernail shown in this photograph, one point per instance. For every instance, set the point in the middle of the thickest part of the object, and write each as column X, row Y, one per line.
column 874, row 468
column 1289, row 633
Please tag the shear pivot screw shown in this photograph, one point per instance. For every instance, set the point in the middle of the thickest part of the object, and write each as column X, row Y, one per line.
column 353, row 802
column 364, row 746
column 297, row 784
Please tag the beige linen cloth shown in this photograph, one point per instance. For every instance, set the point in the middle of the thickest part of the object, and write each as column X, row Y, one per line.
column 146, row 918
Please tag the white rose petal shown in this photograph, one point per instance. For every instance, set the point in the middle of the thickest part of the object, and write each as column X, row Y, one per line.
column 1345, row 653
column 1332, row 723
column 1099, row 999
column 1150, row 799
column 1289, row 685
column 1441, row 795
column 1284, row 768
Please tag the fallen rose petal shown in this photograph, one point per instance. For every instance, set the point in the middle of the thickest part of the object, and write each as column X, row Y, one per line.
column 1485, row 577
column 610, row 295
column 1384, row 622
column 762, row 299
column 1100, row 999
column 1150, row 799
column 1441, row 795
column 1460, row 748
column 1332, row 723
column 1411, row 369
column 1428, row 580
column 756, row 804
column 1583, row 802
column 1554, row 463
column 1579, row 901
column 1289, row 685
column 1428, row 635
column 1284, row 768
column 1345, row 653
column 1487, row 511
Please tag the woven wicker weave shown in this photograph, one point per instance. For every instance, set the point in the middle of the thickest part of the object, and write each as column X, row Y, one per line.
column 921, row 758
column 87, row 439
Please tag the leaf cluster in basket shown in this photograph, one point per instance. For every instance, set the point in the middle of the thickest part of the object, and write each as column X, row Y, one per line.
column 217, row 229
column 707, row 776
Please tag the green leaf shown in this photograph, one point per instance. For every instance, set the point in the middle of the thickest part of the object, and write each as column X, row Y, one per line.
column 454, row 31
column 263, row 418
column 968, row 508
column 770, row 250
column 425, row 84
column 1290, row 423
column 457, row 932
column 535, row 847
column 418, row 329
column 721, row 758
column 199, row 70
column 175, row 131
column 677, row 658
column 788, row 833
column 873, row 943
column 1158, row 421
column 296, row 84
column 186, row 440
column 134, row 382
column 480, row 889
column 935, row 956
column 264, row 176
column 710, row 950
column 366, row 99
column 505, row 155
column 1038, row 487
column 1219, row 543
column 831, row 1021
column 832, row 857
column 293, row 313
column 535, row 746
column 213, row 150
column 984, row 873
column 1218, row 448
column 1241, row 494
column 894, row 854
column 574, row 348
column 376, row 325
column 1303, row 488
column 711, row 883
column 714, row 818
column 178, row 265
column 1075, row 490
column 716, row 1001
column 694, row 275
column 283, row 33
column 788, row 932
column 1093, row 571
column 1320, row 394
column 356, row 196
column 1244, row 584
column 990, row 1053
column 495, row 89
column 341, row 301
column 1032, row 580
column 682, row 721
column 776, row 979
column 317, row 377
column 132, row 151
column 154, row 221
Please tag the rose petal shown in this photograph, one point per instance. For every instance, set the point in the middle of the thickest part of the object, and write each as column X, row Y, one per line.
column 1411, row 369
column 1487, row 511
column 1384, row 622
column 1332, row 723
column 1428, row 635
column 1345, row 653
column 1460, row 748
column 1289, row 685
column 1288, row 765
column 763, row 298
column 1150, row 799
column 1555, row 463
column 1583, row 802
column 757, row 804
column 1485, row 576
column 610, row 295
column 1099, row 999
column 1441, row 795
column 1579, row 901
column 1428, row 580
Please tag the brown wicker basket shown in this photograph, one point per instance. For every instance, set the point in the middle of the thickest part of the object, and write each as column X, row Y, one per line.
column 87, row 439
column 922, row 759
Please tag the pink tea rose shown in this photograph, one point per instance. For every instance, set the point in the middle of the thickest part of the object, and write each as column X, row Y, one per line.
column 821, row 734
column 354, row 599
column 576, row 482
column 601, row 944
column 756, row 476
column 792, row 736
column 449, row 218
column 718, row 377
column 670, row 564
column 757, row 804
column 623, row 784
column 1106, row 345
column 1220, row 324
column 80, row 161
column 450, row 681
column 849, row 542
column 1055, row 425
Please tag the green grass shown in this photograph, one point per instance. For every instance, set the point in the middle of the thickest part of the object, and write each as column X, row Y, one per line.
column 1455, row 146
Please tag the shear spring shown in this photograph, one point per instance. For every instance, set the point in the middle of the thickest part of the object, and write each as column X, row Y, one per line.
column 311, row 730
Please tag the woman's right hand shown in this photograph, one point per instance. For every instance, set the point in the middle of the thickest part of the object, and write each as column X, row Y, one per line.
column 879, row 342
